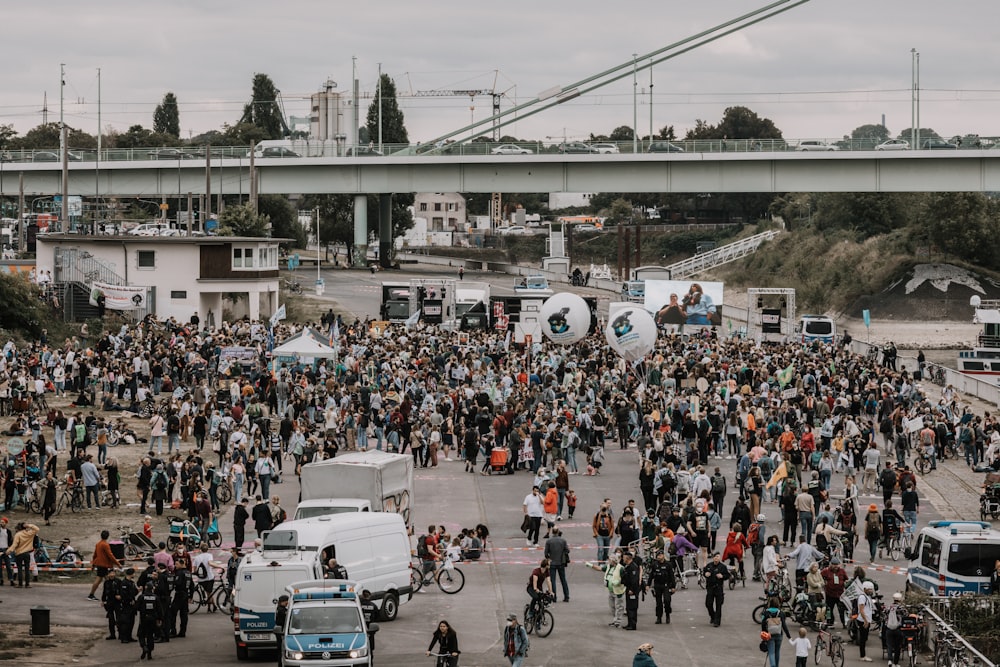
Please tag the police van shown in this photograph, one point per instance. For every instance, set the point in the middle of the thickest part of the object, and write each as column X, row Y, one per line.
column 325, row 626
column 818, row 328
column 953, row 558
column 374, row 548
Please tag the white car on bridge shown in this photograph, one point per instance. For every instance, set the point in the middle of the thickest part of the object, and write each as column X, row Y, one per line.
column 894, row 145
column 816, row 146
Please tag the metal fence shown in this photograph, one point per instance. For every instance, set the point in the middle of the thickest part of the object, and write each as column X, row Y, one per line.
column 79, row 266
column 722, row 255
column 943, row 628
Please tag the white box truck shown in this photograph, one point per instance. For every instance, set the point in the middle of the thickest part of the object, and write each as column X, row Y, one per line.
column 383, row 479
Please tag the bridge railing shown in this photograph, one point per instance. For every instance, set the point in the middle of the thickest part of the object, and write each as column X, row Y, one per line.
column 721, row 255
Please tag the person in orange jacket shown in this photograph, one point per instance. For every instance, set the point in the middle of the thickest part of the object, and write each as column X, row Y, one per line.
column 551, row 507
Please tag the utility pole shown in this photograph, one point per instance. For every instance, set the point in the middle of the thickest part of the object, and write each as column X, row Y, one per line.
column 650, row 100
column 380, row 108
column 63, row 152
column 914, row 99
column 635, row 107
column 97, row 162
column 354, row 104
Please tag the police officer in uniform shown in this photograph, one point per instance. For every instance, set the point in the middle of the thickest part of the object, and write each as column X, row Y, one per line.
column 632, row 579
column 150, row 616
column 370, row 611
column 661, row 576
column 163, row 589
column 146, row 574
column 110, row 600
column 183, row 588
column 716, row 575
column 280, row 615
column 127, row 593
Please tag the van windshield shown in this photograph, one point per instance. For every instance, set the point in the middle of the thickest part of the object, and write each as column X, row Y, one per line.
column 325, row 619
column 972, row 559
column 819, row 327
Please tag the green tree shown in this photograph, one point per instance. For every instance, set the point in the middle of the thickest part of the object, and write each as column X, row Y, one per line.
column 240, row 220
column 138, row 136
column 866, row 213
column 925, row 133
column 620, row 211
column 393, row 123
column 243, row 134
column 264, row 109
column 964, row 224
column 166, row 117
column 666, row 133
column 20, row 309
column 737, row 123
column 875, row 134
column 622, row 133
column 336, row 220
column 284, row 219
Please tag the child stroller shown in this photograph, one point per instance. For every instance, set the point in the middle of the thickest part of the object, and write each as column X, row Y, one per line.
column 137, row 545
column 498, row 460
column 989, row 502
column 183, row 531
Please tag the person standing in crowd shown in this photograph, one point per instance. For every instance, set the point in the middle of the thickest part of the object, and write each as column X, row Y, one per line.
column 866, row 610
column 261, row 517
column 240, row 516
column 103, row 561
column 150, row 616
column 534, row 509
column 616, row 590
column 515, row 641
column 632, row 578
column 716, row 574
column 557, row 553
column 664, row 582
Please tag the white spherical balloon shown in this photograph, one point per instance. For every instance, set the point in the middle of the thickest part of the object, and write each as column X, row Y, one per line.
column 631, row 332
column 565, row 318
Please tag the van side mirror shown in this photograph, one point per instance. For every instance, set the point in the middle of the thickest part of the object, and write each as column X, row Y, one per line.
column 909, row 554
column 372, row 628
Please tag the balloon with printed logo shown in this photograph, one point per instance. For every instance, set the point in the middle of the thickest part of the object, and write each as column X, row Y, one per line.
column 565, row 318
column 631, row 332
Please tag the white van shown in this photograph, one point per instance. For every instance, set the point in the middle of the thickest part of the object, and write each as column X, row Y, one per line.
column 374, row 547
column 817, row 328
column 953, row 558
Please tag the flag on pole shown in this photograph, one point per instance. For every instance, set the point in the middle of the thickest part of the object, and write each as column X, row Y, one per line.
column 785, row 376
column 278, row 315
column 334, row 333
column 779, row 474
column 412, row 320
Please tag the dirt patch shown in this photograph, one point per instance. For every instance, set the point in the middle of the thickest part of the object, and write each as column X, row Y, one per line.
column 66, row 644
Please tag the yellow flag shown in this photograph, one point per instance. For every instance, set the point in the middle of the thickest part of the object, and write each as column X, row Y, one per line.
column 779, row 474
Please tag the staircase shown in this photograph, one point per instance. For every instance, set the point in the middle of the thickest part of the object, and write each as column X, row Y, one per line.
column 723, row 255
column 76, row 271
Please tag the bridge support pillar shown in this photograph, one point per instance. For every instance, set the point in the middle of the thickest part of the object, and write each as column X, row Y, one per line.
column 385, row 230
column 360, row 231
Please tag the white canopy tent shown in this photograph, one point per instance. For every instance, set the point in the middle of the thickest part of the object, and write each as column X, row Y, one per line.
column 304, row 345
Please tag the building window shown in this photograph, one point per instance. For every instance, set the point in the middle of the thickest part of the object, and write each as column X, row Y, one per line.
column 178, row 294
column 255, row 258
column 437, row 206
column 146, row 259
column 451, row 206
column 423, row 206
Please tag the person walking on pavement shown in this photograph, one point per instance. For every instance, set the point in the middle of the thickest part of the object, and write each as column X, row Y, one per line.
column 515, row 641
column 661, row 576
column 534, row 510
column 557, row 552
column 21, row 548
column 772, row 623
column 128, row 594
column 866, row 608
column 240, row 516
column 261, row 517
column 111, row 601
column 149, row 618
column 716, row 575
column 632, row 578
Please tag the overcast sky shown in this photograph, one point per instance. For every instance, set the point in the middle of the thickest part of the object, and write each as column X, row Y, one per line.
column 818, row 70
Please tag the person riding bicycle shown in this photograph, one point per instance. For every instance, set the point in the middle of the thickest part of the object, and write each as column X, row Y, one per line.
column 892, row 523
column 447, row 641
column 927, row 437
column 539, row 584
column 736, row 543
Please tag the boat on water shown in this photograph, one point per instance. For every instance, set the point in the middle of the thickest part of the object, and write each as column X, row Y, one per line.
column 984, row 358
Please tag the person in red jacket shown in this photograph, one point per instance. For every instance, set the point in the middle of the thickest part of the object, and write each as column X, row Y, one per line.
column 102, row 562
column 736, row 542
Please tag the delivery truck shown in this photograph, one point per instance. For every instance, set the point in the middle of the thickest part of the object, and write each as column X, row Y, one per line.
column 382, row 479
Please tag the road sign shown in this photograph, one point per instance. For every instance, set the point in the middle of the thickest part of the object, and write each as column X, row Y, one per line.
column 164, row 206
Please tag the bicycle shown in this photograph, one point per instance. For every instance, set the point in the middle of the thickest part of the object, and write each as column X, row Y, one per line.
column 72, row 497
column 444, row 659
column 894, row 544
column 224, row 491
column 949, row 651
column 224, row 596
column 829, row 644
column 923, row 462
column 538, row 618
column 736, row 574
column 448, row 577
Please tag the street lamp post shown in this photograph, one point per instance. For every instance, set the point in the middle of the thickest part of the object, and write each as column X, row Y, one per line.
column 635, row 105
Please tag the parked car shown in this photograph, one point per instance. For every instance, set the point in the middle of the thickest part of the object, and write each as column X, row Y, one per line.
column 606, row 148
column 585, row 228
column 52, row 156
column 894, row 145
column 511, row 149
column 664, row 147
column 150, row 229
column 810, row 145
column 274, row 151
column 933, row 144
column 170, row 154
column 576, row 147
column 514, row 230
column 363, row 151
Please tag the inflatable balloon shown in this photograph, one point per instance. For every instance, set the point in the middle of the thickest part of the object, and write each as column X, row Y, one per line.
column 631, row 332
column 565, row 318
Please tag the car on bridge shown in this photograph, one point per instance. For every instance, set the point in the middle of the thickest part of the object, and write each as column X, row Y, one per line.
column 511, row 149
column 363, row 151
column 170, row 154
column 810, row 145
column 274, row 151
column 894, row 145
column 664, row 147
column 606, row 147
column 937, row 144
column 52, row 156
column 576, row 147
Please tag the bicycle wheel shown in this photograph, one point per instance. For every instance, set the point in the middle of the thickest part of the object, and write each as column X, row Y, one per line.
column 732, row 583
column 701, row 579
column 35, row 506
column 76, row 503
column 132, row 551
column 225, row 493
column 60, row 504
column 911, row 654
column 544, row 623
column 758, row 613
column 450, row 580
column 416, row 579
column 837, row 652
column 819, row 649
column 529, row 620
column 197, row 600
column 895, row 549
column 223, row 600
column 923, row 465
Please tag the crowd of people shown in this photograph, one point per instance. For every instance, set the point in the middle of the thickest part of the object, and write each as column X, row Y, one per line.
column 778, row 423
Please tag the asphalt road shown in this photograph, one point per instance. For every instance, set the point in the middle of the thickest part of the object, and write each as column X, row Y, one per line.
column 494, row 586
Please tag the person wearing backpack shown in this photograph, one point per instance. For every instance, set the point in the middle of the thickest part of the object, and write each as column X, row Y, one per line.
column 772, row 624
column 718, row 490
column 515, row 641
column 204, row 576
column 873, row 530
column 159, row 483
column 894, row 616
column 756, row 539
